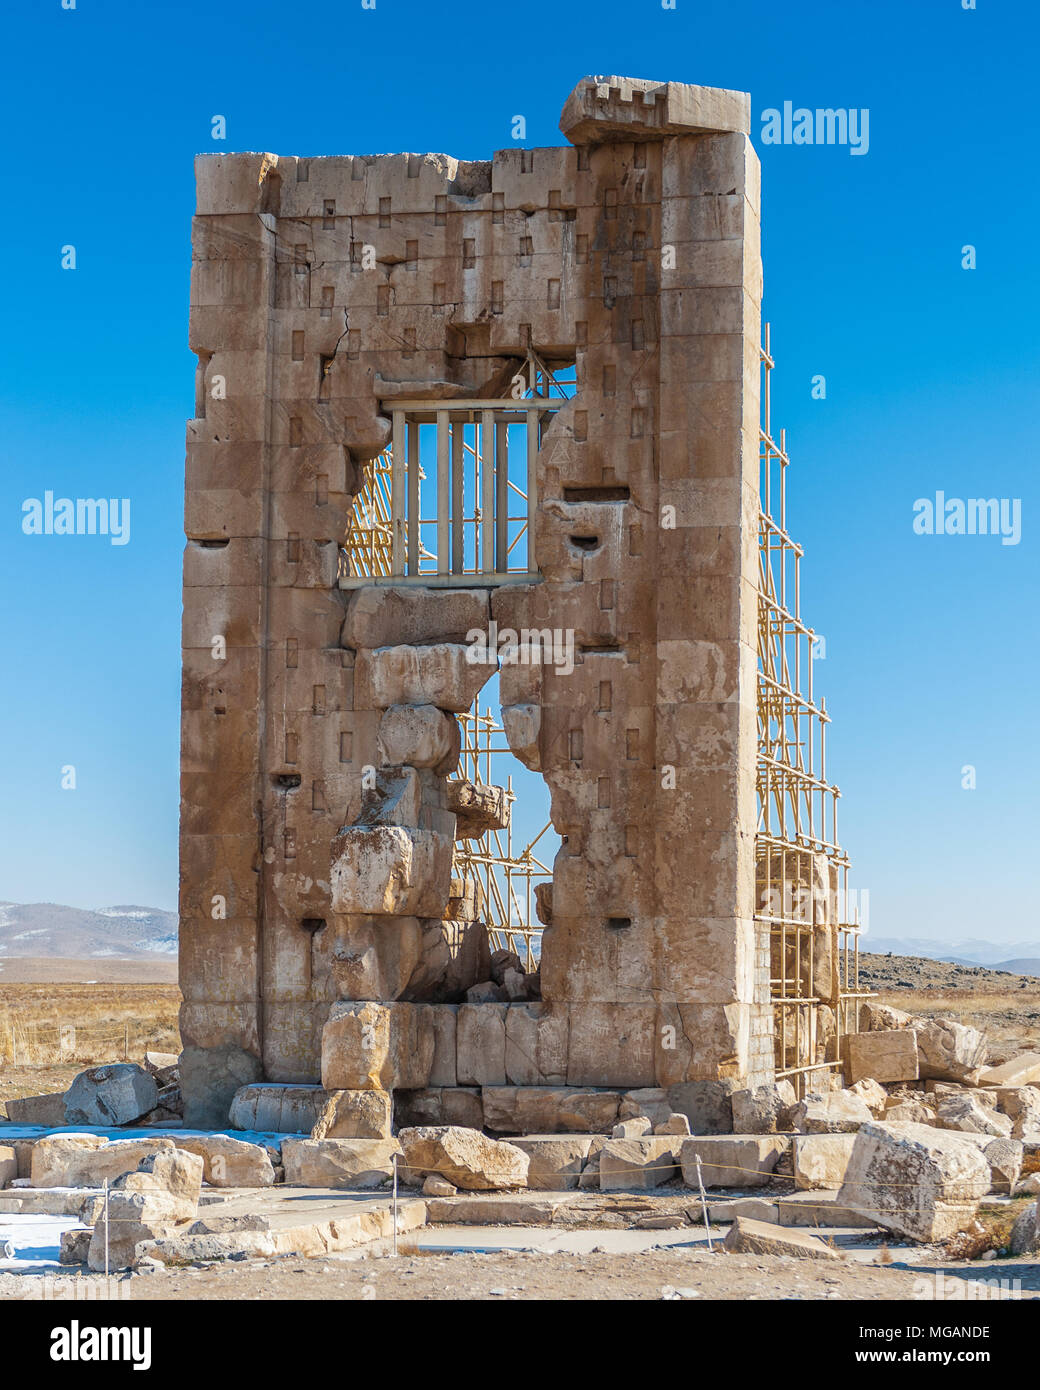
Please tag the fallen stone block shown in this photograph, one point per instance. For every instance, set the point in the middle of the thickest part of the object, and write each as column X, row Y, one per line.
column 469, row 1160
column 899, row 1108
column 626, row 1164
column 1004, row 1157
column 355, row 1115
column 52, row 1154
column 820, row 1160
column 966, row 1112
column 747, row 1237
column 440, row 1105
column 48, row 1110
column 223, row 1225
column 435, row 1186
column 819, row 1208
column 116, row 1094
column 675, row 1124
column 8, row 1165
column 157, row 1200
column 949, row 1051
column 838, row 1112
column 731, row 1160
column 475, row 1209
column 881, row 1056
column 556, row 1162
column 377, row 1047
column 726, row 1209
column 75, row 1247
column 1023, row 1070
column 90, row 1167
column 649, row 1102
column 875, row 1017
column 1025, row 1233
column 230, row 1162
column 633, row 1129
column 872, row 1094
column 339, row 1163
column 919, row 1182
column 763, row 1109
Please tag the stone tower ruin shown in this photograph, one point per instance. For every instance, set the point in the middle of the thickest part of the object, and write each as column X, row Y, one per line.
column 412, row 307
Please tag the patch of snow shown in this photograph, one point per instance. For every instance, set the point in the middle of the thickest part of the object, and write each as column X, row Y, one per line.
column 37, row 931
column 36, row 1239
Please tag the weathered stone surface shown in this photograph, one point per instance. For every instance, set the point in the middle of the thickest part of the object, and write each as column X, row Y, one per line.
column 374, row 957
column 75, row 1247
column 380, row 615
column 438, row 674
column 675, row 1124
column 627, row 108
column 116, row 1094
column 277, row 1109
column 394, row 870
column 555, row 1163
column 820, row 1160
column 522, row 725
column 347, row 1163
column 159, row 1199
column 838, row 1112
column 477, row 808
column 419, row 736
column 949, row 1051
column 708, row 1105
column 638, row 1163
column 887, row 1056
column 549, row 1110
column 46, row 1110
column 8, row 1165
column 355, row 1115
column 435, row 1186
column 1023, row 1070
column 650, row 1102
column 436, row 1105
column 85, row 1166
column 1025, row 1234
column 763, row 1109
column 229, row 1162
column 875, row 1017
column 536, row 1044
column 919, row 1182
column 967, row 1113
column 908, row 1111
column 632, row 1129
column 747, row 1237
column 377, row 1047
column 1004, row 1157
column 453, row 955
column 481, row 1044
column 469, row 1160
column 730, row 1160
column 873, row 1096
column 53, row 1154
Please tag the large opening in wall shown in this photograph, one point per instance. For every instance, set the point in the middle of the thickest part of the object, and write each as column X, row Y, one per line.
column 510, row 865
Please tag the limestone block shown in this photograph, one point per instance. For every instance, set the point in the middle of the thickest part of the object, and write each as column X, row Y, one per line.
column 708, row 1105
column 873, row 1096
column 966, row 1112
column 919, row 1182
column 604, row 109
column 158, row 1199
column 454, row 955
column 86, row 1167
column 477, row 808
column 442, row 675
column 481, row 1044
column 820, row 1160
column 376, row 1047
column 53, row 1154
column 556, row 1164
column 650, row 1101
column 48, row 1110
column 434, row 1186
column 393, row 870
column 116, row 1094
column 875, row 1017
column 522, row 725
column 8, row 1165
column 644, row 1162
column 838, row 1112
column 730, row 1160
column 949, row 1051
column 75, row 1247
column 536, row 1044
column 421, row 736
column 675, row 1124
column 466, row 1158
column 229, row 1162
column 612, row 1045
column 1022, row 1104
column 549, row 1110
column 635, row 1128
column 374, row 957
column 764, row 1109
column 1023, row 1070
column 348, row 1163
column 447, row 1105
column 355, row 1115
column 889, row 1056
column 1004, row 1157
column 748, row 1237
column 915, row 1112
column 383, row 615
column 444, row 1067
column 279, row 1109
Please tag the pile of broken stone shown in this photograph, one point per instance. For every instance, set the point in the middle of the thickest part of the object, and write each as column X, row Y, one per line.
column 922, row 1132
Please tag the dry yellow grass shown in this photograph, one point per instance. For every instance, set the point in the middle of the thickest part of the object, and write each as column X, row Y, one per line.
column 52, row 1023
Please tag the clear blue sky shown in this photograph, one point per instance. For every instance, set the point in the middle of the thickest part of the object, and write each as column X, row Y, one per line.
column 931, row 380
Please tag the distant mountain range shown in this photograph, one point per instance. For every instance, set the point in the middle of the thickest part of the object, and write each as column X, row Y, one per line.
column 1016, row 957
column 125, row 932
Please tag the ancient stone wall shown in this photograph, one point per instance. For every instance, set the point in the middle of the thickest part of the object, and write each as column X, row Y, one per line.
column 634, row 253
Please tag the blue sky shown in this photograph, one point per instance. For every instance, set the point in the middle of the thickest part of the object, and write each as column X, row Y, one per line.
column 931, row 375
